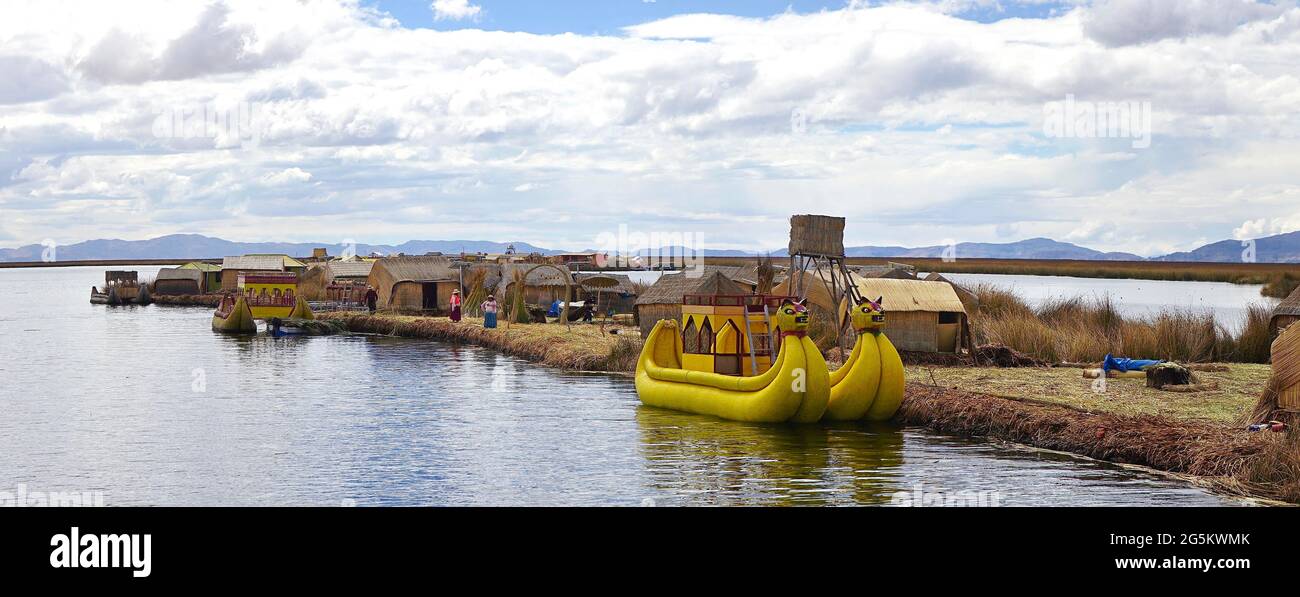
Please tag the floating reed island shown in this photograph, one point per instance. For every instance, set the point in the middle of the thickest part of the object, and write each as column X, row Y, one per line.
column 1035, row 394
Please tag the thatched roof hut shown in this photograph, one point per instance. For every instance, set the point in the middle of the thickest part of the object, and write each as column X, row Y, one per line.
column 414, row 283
column 1287, row 312
column 543, row 285
column 233, row 266
column 211, row 274
column 319, row 276
column 921, row 316
column 968, row 298
column 177, row 281
column 663, row 300
column 886, row 271
column 614, row 291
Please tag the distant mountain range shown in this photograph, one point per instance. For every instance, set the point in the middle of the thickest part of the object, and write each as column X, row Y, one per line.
column 186, row 246
column 1282, row 248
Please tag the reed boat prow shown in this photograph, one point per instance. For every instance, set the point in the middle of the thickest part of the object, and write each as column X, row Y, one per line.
column 233, row 316
column 870, row 383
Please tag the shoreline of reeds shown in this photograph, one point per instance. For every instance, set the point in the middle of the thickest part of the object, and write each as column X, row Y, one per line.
column 1223, row 458
column 186, row 300
column 580, row 347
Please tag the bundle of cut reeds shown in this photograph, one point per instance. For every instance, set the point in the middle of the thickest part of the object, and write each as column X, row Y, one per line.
column 1282, row 396
column 476, row 292
column 519, row 307
column 766, row 274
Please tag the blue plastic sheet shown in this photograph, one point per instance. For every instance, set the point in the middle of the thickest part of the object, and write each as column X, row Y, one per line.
column 1122, row 364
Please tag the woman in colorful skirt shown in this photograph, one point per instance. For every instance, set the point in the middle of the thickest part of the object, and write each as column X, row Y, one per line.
column 455, row 305
column 490, row 309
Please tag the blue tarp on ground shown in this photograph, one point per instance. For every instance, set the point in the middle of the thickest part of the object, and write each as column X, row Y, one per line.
column 1121, row 364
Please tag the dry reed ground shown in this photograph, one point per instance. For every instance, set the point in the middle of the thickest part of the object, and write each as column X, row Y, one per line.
column 187, row 300
column 580, row 347
column 1238, row 389
column 1193, row 448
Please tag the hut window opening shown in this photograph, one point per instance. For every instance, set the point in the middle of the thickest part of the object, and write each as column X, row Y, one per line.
column 690, row 338
column 949, row 317
column 706, row 338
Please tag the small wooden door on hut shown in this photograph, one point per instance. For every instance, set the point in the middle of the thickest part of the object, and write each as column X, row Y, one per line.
column 430, row 299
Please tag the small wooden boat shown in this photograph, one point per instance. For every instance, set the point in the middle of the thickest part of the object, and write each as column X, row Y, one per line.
column 233, row 316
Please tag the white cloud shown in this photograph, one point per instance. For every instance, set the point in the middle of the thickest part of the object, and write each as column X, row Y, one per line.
column 1126, row 22
column 1261, row 227
column 287, row 176
column 454, row 10
column 920, row 126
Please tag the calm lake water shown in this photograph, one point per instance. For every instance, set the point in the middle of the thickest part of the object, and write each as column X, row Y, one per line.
column 149, row 407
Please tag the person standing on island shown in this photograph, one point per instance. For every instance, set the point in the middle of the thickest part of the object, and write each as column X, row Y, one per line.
column 372, row 298
column 490, row 309
column 455, row 305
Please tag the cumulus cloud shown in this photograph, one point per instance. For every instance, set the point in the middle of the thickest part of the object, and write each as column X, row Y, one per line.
column 1128, row 22
column 287, row 176
column 1261, row 227
column 454, row 10
column 213, row 45
column 27, row 79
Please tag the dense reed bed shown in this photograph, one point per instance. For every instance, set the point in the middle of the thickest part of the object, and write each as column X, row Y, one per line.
column 1086, row 329
column 187, row 300
column 1189, row 447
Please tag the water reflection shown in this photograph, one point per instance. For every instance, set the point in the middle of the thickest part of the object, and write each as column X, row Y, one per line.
column 704, row 461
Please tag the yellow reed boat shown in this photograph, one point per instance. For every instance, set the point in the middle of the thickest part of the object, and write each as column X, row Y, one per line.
column 870, row 383
column 233, row 316
column 701, row 366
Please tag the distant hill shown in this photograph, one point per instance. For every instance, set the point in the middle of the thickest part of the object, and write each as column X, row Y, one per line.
column 1282, row 248
column 185, row 246
column 1034, row 248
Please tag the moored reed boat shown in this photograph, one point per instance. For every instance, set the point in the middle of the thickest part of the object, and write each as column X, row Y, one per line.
column 870, row 383
column 120, row 288
column 700, row 367
column 233, row 316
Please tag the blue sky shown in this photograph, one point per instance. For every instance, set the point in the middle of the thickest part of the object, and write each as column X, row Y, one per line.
column 608, row 17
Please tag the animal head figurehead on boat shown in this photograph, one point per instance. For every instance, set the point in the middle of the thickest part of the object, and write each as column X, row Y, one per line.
column 792, row 318
column 868, row 315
